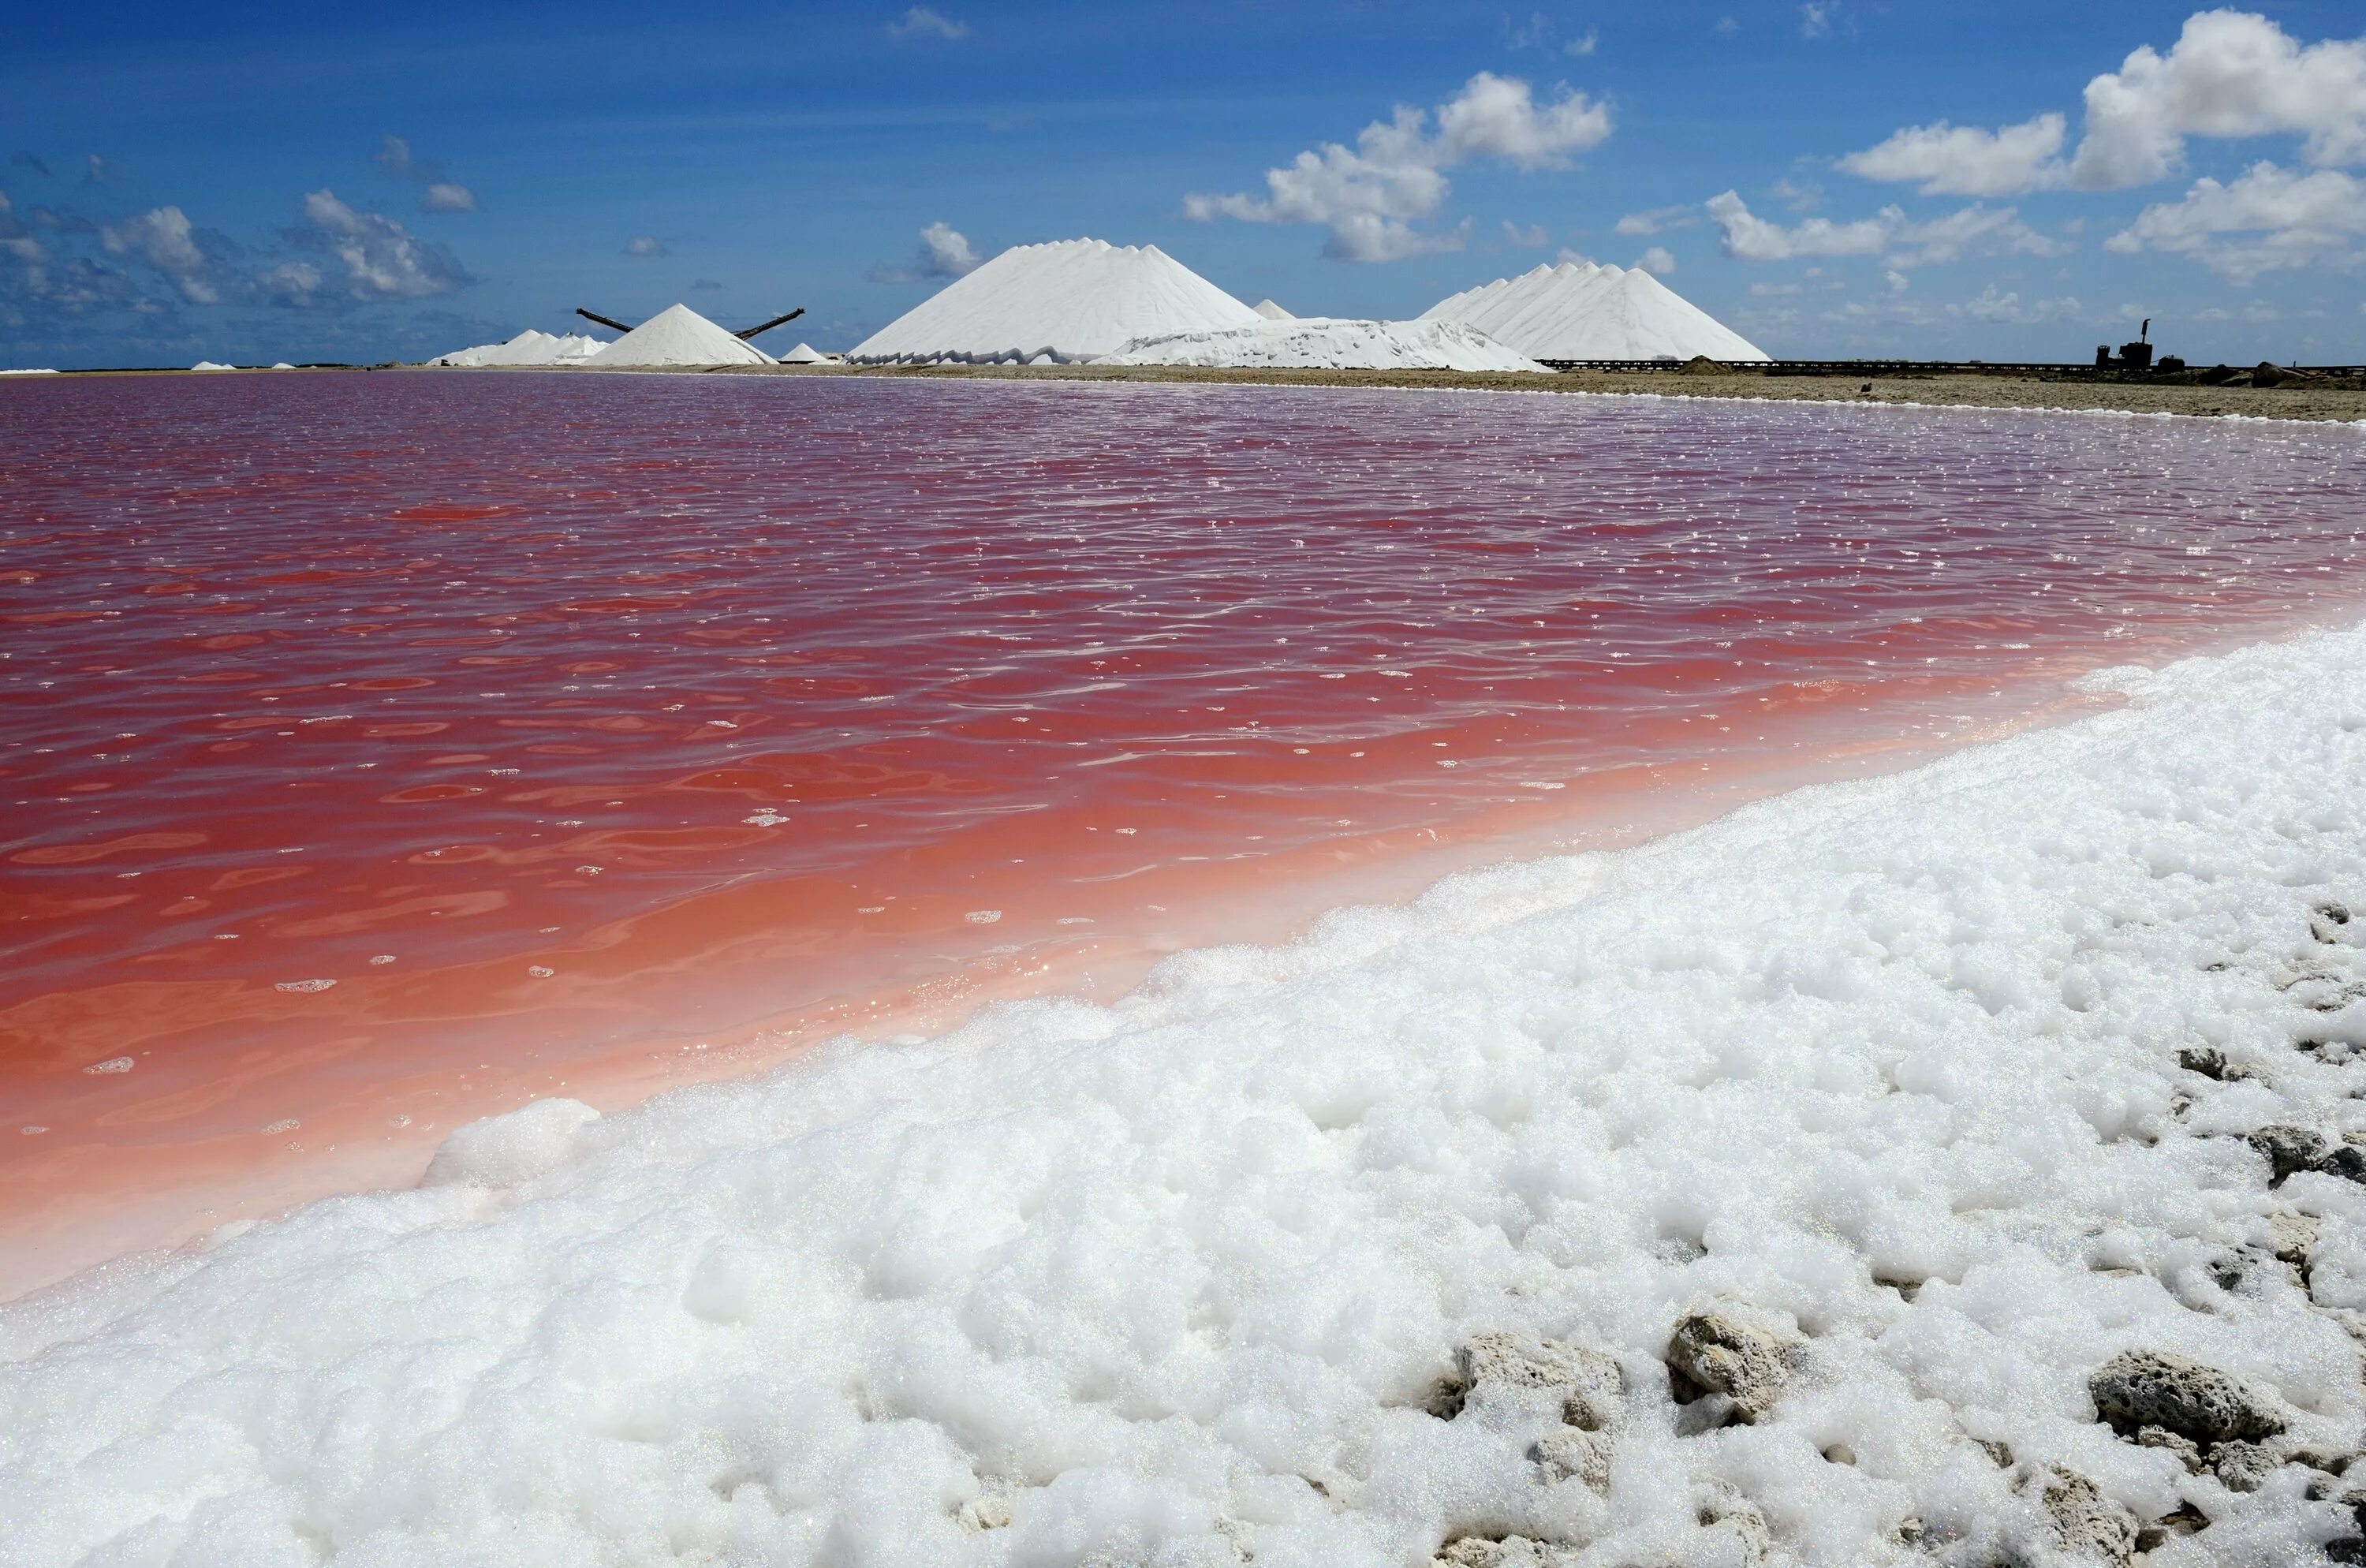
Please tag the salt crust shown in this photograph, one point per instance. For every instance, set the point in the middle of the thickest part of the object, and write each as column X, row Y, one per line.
column 1332, row 344
column 1066, row 300
column 1580, row 310
column 1887, row 1070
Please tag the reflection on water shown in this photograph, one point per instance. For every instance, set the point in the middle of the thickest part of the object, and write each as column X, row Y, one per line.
column 376, row 746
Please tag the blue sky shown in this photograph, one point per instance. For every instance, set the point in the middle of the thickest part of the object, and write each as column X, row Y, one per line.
column 253, row 182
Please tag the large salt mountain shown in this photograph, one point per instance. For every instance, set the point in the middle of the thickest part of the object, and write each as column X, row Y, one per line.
column 1067, row 300
column 1579, row 310
column 679, row 335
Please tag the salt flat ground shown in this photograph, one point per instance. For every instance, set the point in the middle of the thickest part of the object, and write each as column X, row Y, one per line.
column 2297, row 401
column 1943, row 1089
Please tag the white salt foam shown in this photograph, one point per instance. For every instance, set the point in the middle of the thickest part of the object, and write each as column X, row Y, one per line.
column 1066, row 300
column 1322, row 343
column 1889, row 1069
column 1579, row 310
column 679, row 335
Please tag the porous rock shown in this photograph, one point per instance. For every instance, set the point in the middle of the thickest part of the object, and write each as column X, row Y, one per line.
column 2137, row 1389
column 2086, row 1524
column 2188, row 1452
column 2244, row 1467
column 1518, row 1367
column 1574, row 1454
column 1511, row 1551
column 1710, row 1353
column 2289, row 1150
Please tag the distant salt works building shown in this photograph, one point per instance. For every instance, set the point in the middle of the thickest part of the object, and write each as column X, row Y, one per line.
column 1578, row 310
column 1056, row 303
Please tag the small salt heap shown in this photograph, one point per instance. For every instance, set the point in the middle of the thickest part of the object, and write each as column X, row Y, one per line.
column 210, row 365
column 806, row 353
column 1271, row 311
column 1579, row 310
column 1066, row 300
column 679, row 335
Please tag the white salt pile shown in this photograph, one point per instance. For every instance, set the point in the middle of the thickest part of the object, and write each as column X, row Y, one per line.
column 41, row 370
column 283, row 364
column 211, row 365
column 529, row 347
column 1322, row 342
column 678, row 335
column 1579, row 310
column 1271, row 311
column 1066, row 300
column 806, row 353
column 1957, row 1167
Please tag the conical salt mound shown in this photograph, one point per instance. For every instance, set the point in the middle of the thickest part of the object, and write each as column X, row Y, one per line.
column 805, row 354
column 679, row 335
column 1066, row 300
column 1271, row 311
column 1579, row 310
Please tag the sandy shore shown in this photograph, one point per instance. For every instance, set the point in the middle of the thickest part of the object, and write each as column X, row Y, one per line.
column 2325, row 399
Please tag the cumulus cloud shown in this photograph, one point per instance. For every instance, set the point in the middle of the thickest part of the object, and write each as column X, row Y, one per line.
column 382, row 259
column 1540, row 32
column 1815, row 17
column 94, row 169
column 1748, row 237
column 927, row 22
column 2007, row 308
column 443, row 194
column 198, row 266
column 944, row 252
column 1369, row 197
column 1657, row 261
column 1529, row 238
column 2231, row 74
column 1658, row 220
column 1974, row 229
column 2269, row 219
column 646, row 245
column 1964, row 160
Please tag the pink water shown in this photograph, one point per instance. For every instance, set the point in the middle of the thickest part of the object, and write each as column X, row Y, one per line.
column 565, row 722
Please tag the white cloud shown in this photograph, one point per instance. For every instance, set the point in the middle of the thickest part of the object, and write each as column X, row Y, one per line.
column 1658, row 220
column 1974, row 229
column 1815, row 17
column 2269, row 219
column 1964, row 160
column 2007, row 308
column 945, row 253
column 1750, row 238
column 1657, row 260
column 1528, row 238
column 1540, row 32
column 1369, row 197
column 2231, row 74
column 927, row 21
column 165, row 239
column 1580, row 257
column 443, row 194
column 646, row 245
column 383, row 260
